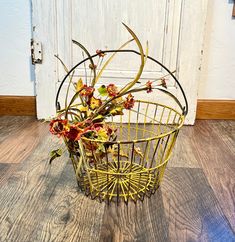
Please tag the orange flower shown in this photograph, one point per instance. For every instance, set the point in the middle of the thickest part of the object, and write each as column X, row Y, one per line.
column 73, row 133
column 100, row 53
column 112, row 90
column 87, row 91
column 59, row 127
column 76, row 131
column 149, row 86
column 129, row 103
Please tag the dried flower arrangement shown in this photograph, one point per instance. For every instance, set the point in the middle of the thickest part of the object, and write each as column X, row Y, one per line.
column 91, row 139
column 91, row 113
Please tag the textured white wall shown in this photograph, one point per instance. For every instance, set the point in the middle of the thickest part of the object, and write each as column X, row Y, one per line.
column 15, row 35
column 218, row 67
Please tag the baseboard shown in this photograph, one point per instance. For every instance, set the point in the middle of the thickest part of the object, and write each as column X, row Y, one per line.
column 206, row 109
column 215, row 109
column 233, row 10
column 18, row 105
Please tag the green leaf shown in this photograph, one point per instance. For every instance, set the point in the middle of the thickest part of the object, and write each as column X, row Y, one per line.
column 55, row 153
column 102, row 90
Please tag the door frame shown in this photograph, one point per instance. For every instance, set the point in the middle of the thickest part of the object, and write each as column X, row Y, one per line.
column 190, row 46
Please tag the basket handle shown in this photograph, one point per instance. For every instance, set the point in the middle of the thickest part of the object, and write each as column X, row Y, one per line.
column 184, row 108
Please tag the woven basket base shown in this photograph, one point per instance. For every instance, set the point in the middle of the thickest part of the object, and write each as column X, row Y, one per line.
column 126, row 181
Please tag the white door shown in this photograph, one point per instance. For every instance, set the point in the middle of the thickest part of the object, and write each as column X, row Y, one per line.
column 174, row 29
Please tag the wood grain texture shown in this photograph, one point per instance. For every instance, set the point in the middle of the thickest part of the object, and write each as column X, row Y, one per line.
column 33, row 210
column 5, row 171
column 215, row 109
column 20, row 142
column 214, row 148
column 136, row 222
column 10, row 125
column 18, row 105
column 183, row 150
column 192, row 209
column 72, row 216
column 195, row 202
column 226, row 132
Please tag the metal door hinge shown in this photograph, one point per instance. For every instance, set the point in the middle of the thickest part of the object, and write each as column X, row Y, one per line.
column 36, row 52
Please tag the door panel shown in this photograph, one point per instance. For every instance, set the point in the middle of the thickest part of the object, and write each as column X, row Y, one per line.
column 174, row 29
column 97, row 25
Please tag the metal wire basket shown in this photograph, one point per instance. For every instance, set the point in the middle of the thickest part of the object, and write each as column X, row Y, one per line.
column 140, row 154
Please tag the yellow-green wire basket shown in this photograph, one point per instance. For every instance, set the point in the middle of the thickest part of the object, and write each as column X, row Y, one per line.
column 146, row 136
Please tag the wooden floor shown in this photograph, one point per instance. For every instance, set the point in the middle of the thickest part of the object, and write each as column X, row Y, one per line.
column 39, row 202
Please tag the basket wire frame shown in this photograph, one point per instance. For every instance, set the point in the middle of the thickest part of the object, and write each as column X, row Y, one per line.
column 129, row 175
column 142, row 149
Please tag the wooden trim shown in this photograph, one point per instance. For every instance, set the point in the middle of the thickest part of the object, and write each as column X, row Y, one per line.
column 215, row 109
column 233, row 10
column 206, row 109
column 18, row 105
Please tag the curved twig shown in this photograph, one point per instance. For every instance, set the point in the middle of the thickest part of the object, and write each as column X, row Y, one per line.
column 89, row 57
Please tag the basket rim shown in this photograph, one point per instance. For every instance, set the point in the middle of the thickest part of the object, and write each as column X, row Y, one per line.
column 184, row 109
column 182, row 118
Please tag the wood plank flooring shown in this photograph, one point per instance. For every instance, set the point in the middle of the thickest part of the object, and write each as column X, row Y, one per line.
column 39, row 202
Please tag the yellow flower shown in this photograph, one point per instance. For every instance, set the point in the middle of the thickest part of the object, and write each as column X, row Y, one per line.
column 116, row 111
column 117, row 100
column 83, row 108
column 79, row 85
column 102, row 134
column 95, row 103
